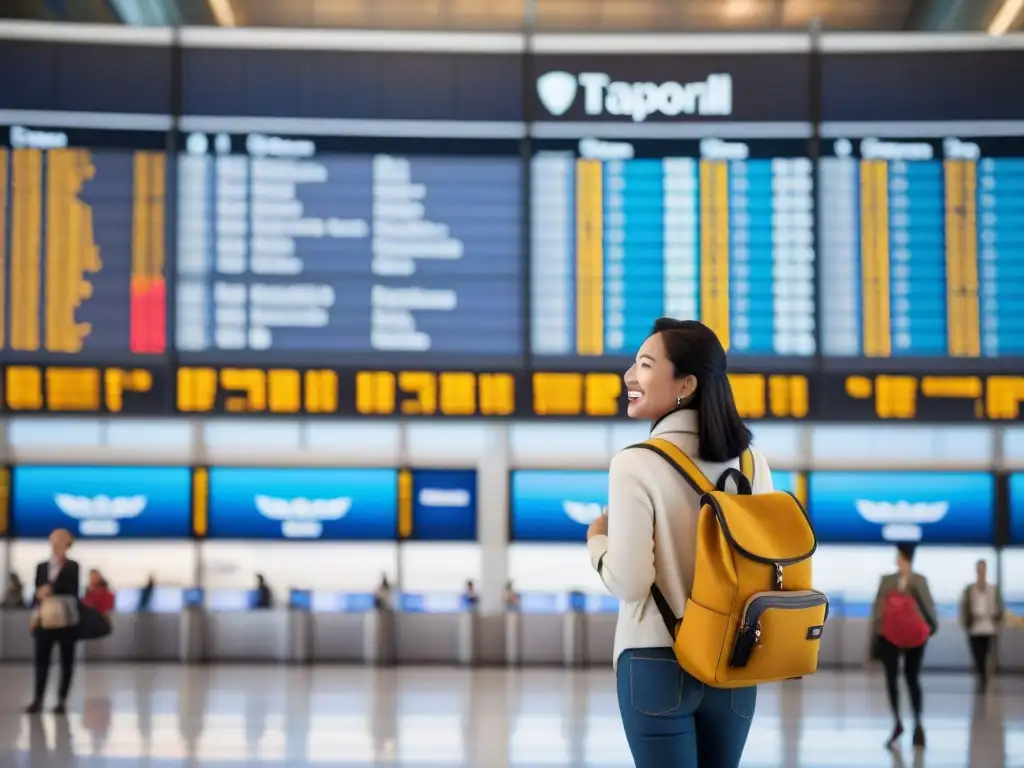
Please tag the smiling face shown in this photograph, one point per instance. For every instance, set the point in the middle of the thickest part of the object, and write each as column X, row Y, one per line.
column 652, row 384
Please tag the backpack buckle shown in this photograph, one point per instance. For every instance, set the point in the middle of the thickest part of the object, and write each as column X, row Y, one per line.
column 778, row 576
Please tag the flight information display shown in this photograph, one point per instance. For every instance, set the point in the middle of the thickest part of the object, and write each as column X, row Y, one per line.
column 82, row 233
column 922, row 247
column 720, row 231
column 296, row 248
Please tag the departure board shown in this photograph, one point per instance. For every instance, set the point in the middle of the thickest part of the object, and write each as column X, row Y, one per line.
column 922, row 247
column 293, row 248
column 82, row 243
column 720, row 231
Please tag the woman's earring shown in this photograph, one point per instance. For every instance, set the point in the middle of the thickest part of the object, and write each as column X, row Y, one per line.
column 679, row 401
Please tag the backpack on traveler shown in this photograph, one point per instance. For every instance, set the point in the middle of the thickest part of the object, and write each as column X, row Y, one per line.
column 902, row 623
column 752, row 616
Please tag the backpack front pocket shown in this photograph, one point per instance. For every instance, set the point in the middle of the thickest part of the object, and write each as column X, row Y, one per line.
column 785, row 629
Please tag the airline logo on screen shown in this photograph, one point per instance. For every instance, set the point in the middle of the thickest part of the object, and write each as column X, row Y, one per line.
column 100, row 515
column 582, row 512
column 444, row 497
column 557, row 91
column 902, row 520
column 302, row 518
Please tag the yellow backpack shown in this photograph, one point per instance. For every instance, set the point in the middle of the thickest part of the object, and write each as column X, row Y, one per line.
column 751, row 616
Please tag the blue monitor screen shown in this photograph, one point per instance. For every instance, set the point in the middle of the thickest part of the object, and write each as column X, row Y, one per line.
column 444, row 505
column 1017, row 508
column 880, row 507
column 556, row 505
column 102, row 502
column 303, row 504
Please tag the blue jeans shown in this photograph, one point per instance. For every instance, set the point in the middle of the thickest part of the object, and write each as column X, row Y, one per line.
column 672, row 720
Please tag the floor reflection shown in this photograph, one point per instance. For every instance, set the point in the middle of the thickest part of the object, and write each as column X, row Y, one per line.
column 234, row 716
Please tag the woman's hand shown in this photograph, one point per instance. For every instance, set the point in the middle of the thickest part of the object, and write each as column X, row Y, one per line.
column 599, row 527
column 44, row 591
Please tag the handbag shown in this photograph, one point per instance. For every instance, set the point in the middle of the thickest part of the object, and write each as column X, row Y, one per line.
column 92, row 625
column 55, row 612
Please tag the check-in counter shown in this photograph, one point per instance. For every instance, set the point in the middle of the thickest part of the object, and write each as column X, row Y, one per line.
column 344, row 628
column 602, row 613
column 435, row 628
column 236, row 632
column 16, row 641
column 1010, row 649
column 537, row 633
column 147, row 635
column 830, row 652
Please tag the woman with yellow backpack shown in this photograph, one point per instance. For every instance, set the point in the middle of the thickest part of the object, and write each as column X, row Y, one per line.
column 713, row 579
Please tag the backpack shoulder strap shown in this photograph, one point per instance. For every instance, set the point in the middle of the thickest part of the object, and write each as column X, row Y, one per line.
column 682, row 463
column 747, row 465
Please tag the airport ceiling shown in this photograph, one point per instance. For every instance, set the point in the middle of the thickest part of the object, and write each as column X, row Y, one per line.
column 543, row 15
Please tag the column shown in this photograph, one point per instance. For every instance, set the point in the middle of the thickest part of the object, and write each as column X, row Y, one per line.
column 551, row 254
column 681, row 235
column 839, row 261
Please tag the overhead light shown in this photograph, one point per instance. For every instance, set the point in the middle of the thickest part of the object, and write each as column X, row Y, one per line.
column 735, row 10
column 223, row 12
column 1007, row 15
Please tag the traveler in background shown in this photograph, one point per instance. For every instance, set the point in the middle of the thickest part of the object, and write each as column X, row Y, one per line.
column 382, row 594
column 469, row 596
column 98, row 595
column 56, row 577
column 677, row 382
column 981, row 614
column 14, row 597
column 511, row 597
column 264, row 597
column 903, row 618
column 146, row 593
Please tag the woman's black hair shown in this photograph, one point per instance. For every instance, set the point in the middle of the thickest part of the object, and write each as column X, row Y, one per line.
column 695, row 350
column 907, row 549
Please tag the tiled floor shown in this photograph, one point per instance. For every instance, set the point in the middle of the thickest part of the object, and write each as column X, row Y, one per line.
column 221, row 716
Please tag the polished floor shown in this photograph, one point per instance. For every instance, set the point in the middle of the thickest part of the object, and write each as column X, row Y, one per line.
column 334, row 716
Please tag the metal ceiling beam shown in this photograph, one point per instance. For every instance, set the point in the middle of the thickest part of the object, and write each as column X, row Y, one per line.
column 953, row 15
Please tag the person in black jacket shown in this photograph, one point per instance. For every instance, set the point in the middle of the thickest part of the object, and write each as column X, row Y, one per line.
column 56, row 576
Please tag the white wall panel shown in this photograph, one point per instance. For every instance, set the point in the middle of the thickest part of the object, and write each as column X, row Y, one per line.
column 426, row 566
column 250, row 441
column 623, row 433
column 781, row 444
column 552, row 568
column 156, row 441
column 352, row 567
column 900, row 446
column 1013, row 448
column 125, row 564
column 352, row 443
column 562, row 445
column 54, row 440
column 445, row 445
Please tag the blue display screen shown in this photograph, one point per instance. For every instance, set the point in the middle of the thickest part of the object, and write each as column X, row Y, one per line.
column 556, row 505
column 1017, row 508
column 102, row 502
column 303, row 504
column 879, row 507
column 444, row 504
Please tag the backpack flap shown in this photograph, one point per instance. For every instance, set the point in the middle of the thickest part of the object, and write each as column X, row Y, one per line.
column 771, row 528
